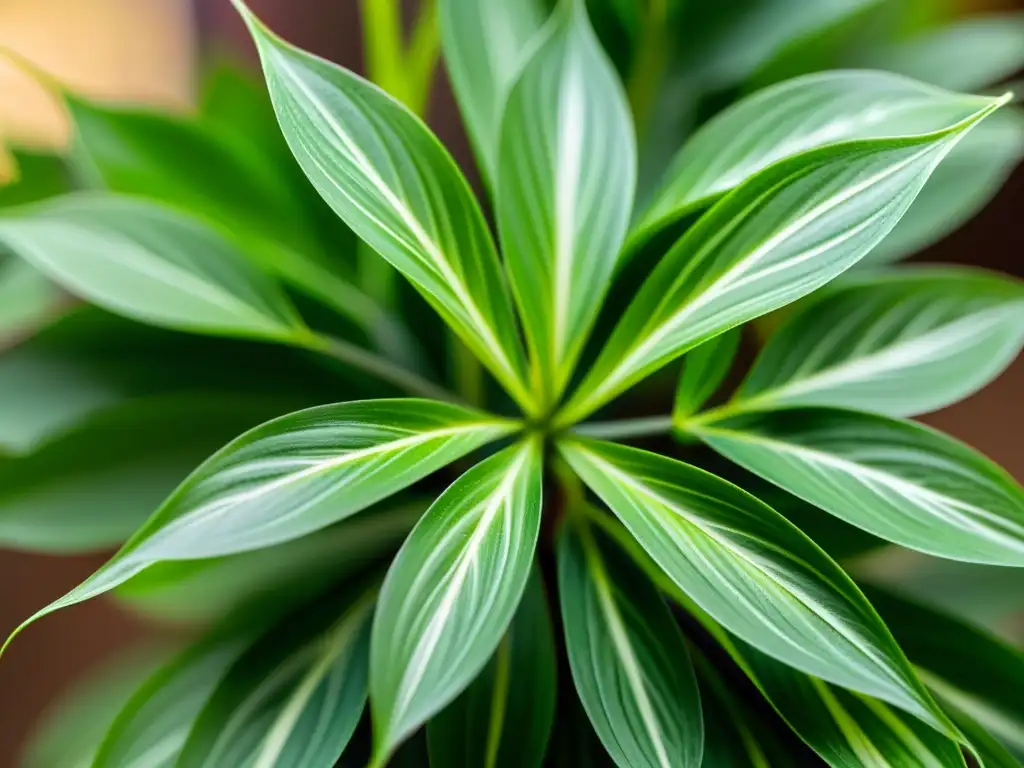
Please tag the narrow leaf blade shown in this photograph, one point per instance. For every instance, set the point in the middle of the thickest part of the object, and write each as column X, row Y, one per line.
column 704, row 369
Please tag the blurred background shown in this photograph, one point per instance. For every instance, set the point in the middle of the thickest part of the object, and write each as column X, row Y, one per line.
column 153, row 52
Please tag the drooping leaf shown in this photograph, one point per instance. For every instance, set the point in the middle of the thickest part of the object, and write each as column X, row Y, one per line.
column 752, row 571
column 91, row 487
column 783, row 233
column 704, row 369
column 898, row 480
column 451, row 592
column 628, row 658
column 321, row 465
column 27, row 300
column 504, row 718
column 900, row 343
column 151, row 264
column 293, row 699
column 795, row 116
column 389, row 178
column 484, row 46
column 567, row 155
column 967, row 666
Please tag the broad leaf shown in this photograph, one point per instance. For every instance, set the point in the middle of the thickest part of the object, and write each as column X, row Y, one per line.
column 704, row 369
column 451, row 592
column 27, row 300
column 568, row 168
column 504, row 718
column 792, row 117
column 900, row 343
column 967, row 666
column 292, row 700
column 321, row 465
column 389, row 178
column 628, row 658
column 752, row 571
column 783, row 233
column 484, row 44
column 896, row 479
column 151, row 264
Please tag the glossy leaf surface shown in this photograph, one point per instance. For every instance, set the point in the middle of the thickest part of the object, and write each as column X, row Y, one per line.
column 452, row 590
column 896, row 479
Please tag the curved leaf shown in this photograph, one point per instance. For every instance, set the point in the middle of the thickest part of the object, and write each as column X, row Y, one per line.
column 484, row 43
column 628, row 658
column 149, row 263
column 900, row 343
column 389, row 178
column 504, row 718
column 27, row 300
column 704, row 369
column 451, row 592
column 292, row 700
column 783, row 233
column 752, row 571
column 319, row 465
column 568, row 170
column 792, row 117
column 896, row 479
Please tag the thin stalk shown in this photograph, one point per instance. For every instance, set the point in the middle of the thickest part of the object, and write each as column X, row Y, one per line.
column 377, row 366
column 421, row 57
column 626, row 428
column 652, row 58
column 467, row 372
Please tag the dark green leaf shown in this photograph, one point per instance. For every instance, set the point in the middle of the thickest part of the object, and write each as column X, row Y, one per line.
column 36, row 176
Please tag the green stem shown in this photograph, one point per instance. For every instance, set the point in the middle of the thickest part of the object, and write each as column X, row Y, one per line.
column 422, row 57
column 499, row 702
column 647, row 71
column 377, row 366
column 626, row 428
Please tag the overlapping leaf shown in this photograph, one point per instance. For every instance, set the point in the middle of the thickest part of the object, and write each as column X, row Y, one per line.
column 752, row 571
column 898, row 480
column 389, row 178
column 151, row 264
column 452, row 591
column 484, row 46
column 568, row 168
column 504, row 718
column 628, row 657
column 900, row 344
column 783, row 233
column 27, row 300
column 319, row 466
column 704, row 369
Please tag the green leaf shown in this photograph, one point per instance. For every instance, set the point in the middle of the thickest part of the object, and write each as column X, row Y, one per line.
column 628, row 658
column 900, row 343
column 752, row 571
column 322, row 465
column 968, row 54
column 783, row 233
column 204, row 590
column 898, row 480
column 961, row 186
column 291, row 700
column 989, row 750
column 504, row 718
column 484, row 45
column 797, row 115
column 90, row 487
column 37, row 176
column 389, row 178
column 967, row 666
column 451, row 592
column 27, row 300
column 151, row 264
column 568, row 170
column 704, row 370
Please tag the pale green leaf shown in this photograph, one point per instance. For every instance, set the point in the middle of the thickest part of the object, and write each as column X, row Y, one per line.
column 794, row 116
column 319, row 466
column 628, row 658
column 504, row 718
column 898, row 480
column 783, row 233
column 565, row 190
column 752, row 571
column 389, row 178
column 900, row 343
column 149, row 263
column 292, row 700
column 484, row 44
column 451, row 592
column 704, row 369
column 27, row 300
